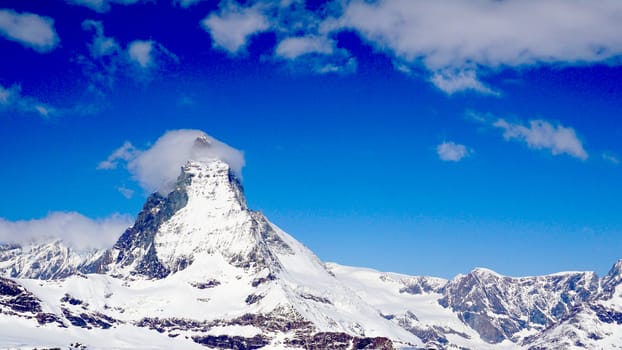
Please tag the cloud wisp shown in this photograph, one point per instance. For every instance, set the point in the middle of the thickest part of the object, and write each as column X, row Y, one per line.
column 76, row 230
column 610, row 158
column 126, row 153
column 30, row 30
column 541, row 134
column 108, row 60
column 452, row 152
column 451, row 82
column 186, row 3
column 11, row 98
column 101, row 5
column 157, row 168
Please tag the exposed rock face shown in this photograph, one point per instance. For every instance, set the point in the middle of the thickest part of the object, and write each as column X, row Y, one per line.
column 340, row 341
column 15, row 299
column 231, row 342
column 498, row 307
column 595, row 324
column 612, row 280
column 421, row 285
column 135, row 249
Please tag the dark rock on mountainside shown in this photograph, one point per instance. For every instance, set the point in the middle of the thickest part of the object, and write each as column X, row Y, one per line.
column 14, row 297
column 205, row 285
column 339, row 341
column 607, row 315
column 235, row 342
column 136, row 243
column 612, row 280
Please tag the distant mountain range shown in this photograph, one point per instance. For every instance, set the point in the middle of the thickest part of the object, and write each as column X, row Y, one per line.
column 199, row 269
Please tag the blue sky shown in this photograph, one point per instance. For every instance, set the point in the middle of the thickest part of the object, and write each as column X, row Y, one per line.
column 410, row 136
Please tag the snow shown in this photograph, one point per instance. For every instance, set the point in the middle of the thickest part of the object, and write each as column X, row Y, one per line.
column 22, row 334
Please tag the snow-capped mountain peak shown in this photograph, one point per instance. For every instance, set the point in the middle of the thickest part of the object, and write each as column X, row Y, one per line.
column 214, row 183
column 205, row 212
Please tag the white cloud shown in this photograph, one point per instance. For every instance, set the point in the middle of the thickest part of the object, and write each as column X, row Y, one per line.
column 484, row 35
column 101, row 5
column 452, row 82
column 611, row 158
column 452, row 152
column 292, row 48
column 11, row 98
column 540, row 134
column 459, row 33
column 316, row 54
column 125, row 153
column 73, row 228
column 29, row 29
column 234, row 25
column 157, row 168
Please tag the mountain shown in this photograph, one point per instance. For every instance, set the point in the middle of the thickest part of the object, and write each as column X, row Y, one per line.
column 500, row 307
column 480, row 310
column 200, row 269
column 199, row 265
column 595, row 324
column 48, row 260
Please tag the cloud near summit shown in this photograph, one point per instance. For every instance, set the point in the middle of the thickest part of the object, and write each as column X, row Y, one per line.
column 157, row 167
